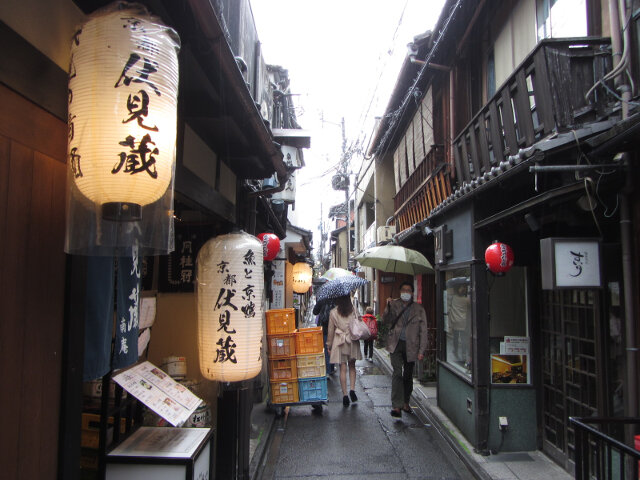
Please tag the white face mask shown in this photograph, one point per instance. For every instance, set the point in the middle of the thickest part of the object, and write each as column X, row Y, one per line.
column 406, row 296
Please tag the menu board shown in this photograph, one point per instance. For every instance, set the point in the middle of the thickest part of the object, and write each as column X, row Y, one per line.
column 157, row 390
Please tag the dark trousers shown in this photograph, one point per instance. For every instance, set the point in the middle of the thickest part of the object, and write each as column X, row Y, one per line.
column 368, row 347
column 330, row 368
column 402, row 377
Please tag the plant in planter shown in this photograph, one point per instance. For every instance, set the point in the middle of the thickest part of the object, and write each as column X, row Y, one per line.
column 428, row 369
column 383, row 331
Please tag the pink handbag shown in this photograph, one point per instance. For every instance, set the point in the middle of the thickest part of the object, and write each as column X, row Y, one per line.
column 358, row 330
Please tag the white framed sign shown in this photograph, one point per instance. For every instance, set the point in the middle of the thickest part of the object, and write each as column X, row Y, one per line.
column 277, row 281
column 570, row 263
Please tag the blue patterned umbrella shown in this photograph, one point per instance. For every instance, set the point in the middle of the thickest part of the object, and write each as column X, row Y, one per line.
column 339, row 287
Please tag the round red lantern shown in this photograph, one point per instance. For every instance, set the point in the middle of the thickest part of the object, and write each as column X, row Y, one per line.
column 499, row 258
column 270, row 246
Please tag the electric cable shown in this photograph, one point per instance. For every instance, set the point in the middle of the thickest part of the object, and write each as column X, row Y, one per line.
column 391, row 129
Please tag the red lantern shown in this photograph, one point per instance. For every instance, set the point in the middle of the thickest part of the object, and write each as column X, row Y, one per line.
column 499, row 258
column 270, row 246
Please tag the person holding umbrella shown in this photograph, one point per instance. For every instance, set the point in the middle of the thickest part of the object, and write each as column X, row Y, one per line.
column 406, row 342
column 322, row 310
column 342, row 349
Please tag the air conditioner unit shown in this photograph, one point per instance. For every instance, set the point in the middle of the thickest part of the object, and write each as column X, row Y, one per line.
column 385, row 234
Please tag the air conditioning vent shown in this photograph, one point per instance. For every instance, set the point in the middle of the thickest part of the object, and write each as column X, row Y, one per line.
column 385, row 234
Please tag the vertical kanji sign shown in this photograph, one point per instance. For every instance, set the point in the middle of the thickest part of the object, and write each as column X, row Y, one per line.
column 122, row 95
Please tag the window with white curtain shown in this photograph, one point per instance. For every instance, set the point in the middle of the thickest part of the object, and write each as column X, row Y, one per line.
column 561, row 18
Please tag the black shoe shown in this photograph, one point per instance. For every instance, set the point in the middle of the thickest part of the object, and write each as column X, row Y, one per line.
column 396, row 413
column 345, row 401
column 354, row 397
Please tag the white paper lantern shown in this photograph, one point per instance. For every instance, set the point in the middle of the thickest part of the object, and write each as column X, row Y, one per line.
column 123, row 90
column 302, row 276
column 230, row 281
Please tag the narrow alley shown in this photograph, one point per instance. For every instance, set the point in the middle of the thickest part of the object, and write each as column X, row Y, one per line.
column 207, row 205
column 358, row 441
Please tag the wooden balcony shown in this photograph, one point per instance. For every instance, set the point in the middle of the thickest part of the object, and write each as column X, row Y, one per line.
column 428, row 185
column 545, row 94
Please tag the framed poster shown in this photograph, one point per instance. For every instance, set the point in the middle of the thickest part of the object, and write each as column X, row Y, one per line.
column 509, row 369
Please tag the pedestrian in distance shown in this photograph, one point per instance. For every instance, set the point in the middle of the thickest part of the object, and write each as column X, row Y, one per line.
column 322, row 310
column 367, row 318
column 406, row 342
column 342, row 350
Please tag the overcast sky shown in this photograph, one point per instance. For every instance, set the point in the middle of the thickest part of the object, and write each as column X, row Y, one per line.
column 343, row 57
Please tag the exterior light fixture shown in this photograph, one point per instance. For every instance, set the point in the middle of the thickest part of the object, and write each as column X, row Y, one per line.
column 302, row 276
column 499, row 258
column 123, row 95
column 270, row 246
column 230, row 283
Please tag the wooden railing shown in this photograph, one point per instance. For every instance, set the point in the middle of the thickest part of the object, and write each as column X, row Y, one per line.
column 428, row 185
column 545, row 94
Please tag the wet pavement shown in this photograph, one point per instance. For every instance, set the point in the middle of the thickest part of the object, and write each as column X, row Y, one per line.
column 362, row 441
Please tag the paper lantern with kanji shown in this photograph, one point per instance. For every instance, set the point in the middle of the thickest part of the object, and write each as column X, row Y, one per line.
column 302, row 276
column 270, row 246
column 230, row 282
column 499, row 258
column 123, row 95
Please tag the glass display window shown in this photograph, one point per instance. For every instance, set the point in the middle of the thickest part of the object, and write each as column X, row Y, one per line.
column 509, row 343
column 458, row 318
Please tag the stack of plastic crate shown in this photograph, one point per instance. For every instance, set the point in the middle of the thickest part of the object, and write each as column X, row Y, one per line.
column 310, row 364
column 281, row 347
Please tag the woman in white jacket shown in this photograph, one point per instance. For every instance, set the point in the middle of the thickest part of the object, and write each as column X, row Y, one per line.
column 342, row 350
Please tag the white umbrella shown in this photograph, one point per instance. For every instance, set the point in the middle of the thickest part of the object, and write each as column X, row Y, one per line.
column 393, row 258
column 336, row 272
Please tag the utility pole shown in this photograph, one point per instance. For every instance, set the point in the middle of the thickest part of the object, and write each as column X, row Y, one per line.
column 345, row 172
column 341, row 181
column 322, row 237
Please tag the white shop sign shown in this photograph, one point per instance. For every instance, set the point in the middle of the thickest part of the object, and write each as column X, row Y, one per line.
column 570, row 263
column 515, row 346
column 277, row 281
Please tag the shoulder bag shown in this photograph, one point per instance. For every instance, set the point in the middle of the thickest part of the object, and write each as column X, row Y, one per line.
column 358, row 330
column 395, row 320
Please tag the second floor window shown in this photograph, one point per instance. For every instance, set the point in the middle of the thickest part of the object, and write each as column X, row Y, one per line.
column 561, row 18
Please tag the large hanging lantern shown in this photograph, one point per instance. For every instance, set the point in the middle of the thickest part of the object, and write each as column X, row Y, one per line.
column 230, row 283
column 302, row 276
column 270, row 246
column 123, row 91
column 499, row 258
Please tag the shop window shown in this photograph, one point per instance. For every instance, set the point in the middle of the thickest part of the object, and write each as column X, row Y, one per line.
column 458, row 319
column 509, row 344
column 491, row 75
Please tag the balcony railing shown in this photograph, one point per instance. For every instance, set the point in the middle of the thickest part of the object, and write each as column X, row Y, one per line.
column 545, row 94
column 598, row 455
column 427, row 186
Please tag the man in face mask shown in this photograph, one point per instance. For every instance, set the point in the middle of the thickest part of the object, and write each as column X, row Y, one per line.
column 406, row 341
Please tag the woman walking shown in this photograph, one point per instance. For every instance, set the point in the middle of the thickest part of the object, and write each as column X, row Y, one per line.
column 342, row 350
